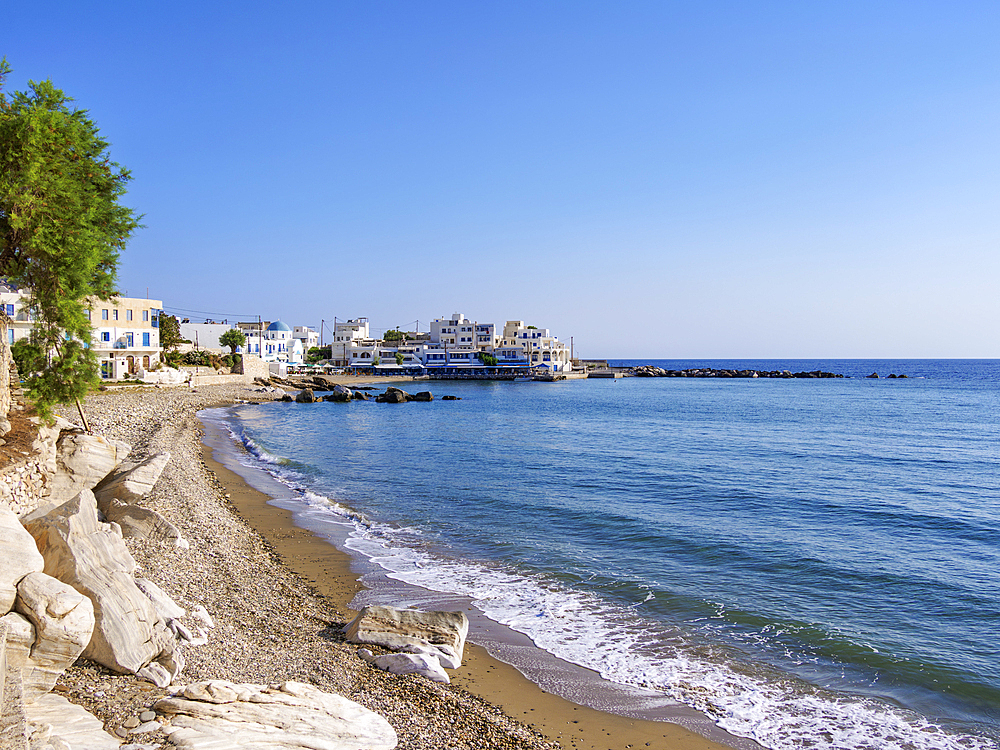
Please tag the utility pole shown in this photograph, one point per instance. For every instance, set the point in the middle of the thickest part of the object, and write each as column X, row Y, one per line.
column 321, row 322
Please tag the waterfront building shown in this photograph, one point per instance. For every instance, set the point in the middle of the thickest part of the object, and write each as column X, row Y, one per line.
column 349, row 338
column 538, row 345
column 254, row 332
column 126, row 334
column 308, row 337
column 279, row 345
column 13, row 304
column 126, row 330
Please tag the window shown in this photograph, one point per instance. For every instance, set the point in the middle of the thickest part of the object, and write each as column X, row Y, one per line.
column 145, row 338
column 129, row 340
column 10, row 309
column 115, row 314
column 88, row 314
column 128, row 315
column 105, row 335
column 10, row 335
column 145, row 316
column 104, row 314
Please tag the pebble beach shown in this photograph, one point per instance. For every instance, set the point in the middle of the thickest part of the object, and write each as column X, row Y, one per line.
column 279, row 598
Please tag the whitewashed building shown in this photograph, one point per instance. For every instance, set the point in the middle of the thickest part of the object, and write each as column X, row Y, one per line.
column 306, row 335
column 538, row 345
column 279, row 345
column 350, row 338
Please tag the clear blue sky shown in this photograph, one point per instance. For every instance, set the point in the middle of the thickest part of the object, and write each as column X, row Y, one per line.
column 655, row 179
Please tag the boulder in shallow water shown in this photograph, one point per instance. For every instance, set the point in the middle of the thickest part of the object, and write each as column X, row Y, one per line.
column 339, row 393
column 393, row 396
column 305, row 396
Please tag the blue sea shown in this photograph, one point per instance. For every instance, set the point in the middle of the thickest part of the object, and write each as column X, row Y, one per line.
column 808, row 563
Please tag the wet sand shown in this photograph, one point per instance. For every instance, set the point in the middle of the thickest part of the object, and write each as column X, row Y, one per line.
column 328, row 571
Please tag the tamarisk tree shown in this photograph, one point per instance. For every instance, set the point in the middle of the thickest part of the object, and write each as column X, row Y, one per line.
column 61, row 230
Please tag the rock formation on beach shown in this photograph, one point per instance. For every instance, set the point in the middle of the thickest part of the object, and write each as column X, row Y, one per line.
column 68, row 589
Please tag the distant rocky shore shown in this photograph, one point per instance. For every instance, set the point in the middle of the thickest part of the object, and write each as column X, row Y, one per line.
column 650, row 371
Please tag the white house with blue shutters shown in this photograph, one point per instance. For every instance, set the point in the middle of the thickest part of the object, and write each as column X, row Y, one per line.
column 280, row 345
column 126, row 330
column 126, row 334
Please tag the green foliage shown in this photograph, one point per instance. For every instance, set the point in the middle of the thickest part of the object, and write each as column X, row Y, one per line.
column 233, row 338
column 487, row 359
column 376, row 362
column 203, row 358
column 24, row 355
column 316, row 353
column 532, row 328
column 399, row 358
column 170, row 334
column 394, row 335
column 61, row 230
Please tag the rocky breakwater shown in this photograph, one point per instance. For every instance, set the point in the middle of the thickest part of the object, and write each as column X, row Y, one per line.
column 343, row 394
column 650, row 371
column 69, row 591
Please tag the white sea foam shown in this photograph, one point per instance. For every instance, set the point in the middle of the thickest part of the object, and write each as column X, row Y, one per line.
column 622, row 646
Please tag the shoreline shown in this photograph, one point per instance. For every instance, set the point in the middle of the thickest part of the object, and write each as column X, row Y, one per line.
column 329, row 571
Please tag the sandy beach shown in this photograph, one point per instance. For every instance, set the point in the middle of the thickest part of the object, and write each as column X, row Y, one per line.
column 279, row 596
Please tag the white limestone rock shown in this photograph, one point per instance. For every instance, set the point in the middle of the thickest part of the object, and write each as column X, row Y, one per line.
column 63, row 621
column 20, row 557
column 20, row 639
column 90, row 557
column 145, row 523
column 132, row 485
column 397, row 629
column 421, row 664
column 165, row 607
column 82, row 461
column 291, row 716
column 155, row 673
column 201, row 614
column 55, row 722
column 445, row 655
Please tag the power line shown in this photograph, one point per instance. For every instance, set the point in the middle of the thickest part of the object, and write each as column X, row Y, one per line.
column 209, row 313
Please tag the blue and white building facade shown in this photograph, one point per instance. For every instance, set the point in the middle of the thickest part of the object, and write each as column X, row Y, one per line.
column 280, row 345
column 458, row 343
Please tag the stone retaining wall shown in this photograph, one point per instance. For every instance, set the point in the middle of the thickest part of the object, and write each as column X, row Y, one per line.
column 220, row 379
column 253, row 366
column 23, row 485
column 6, row 398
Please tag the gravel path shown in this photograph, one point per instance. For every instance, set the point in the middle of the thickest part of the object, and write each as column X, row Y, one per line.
column 270, row 625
